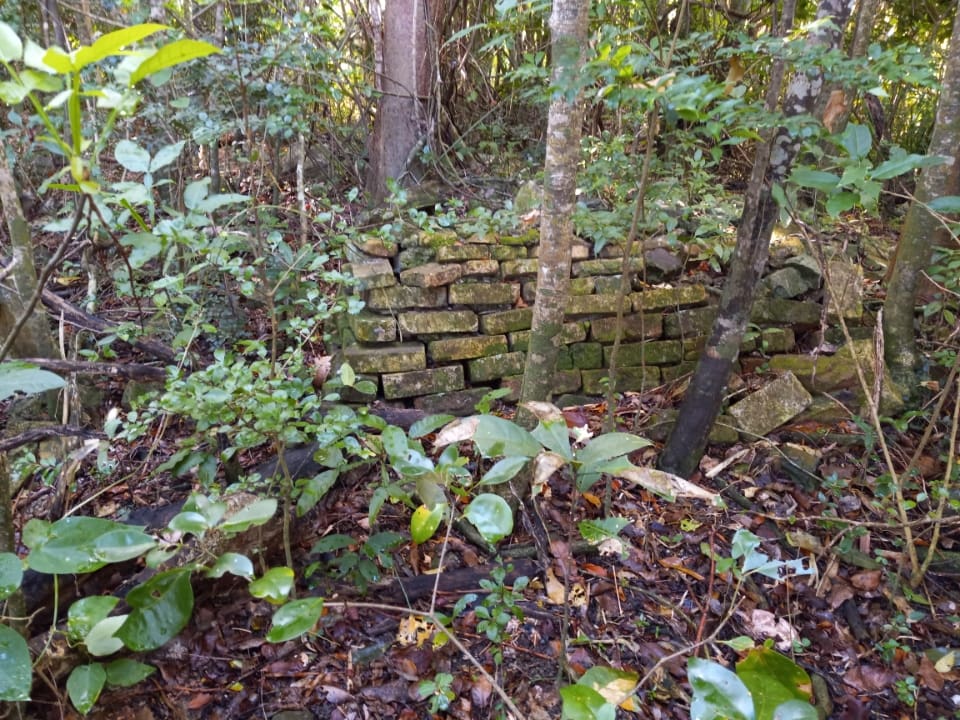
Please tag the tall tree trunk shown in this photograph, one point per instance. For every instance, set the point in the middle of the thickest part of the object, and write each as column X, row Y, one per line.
column 922, row 230
column 772, row 164
column 568, row 38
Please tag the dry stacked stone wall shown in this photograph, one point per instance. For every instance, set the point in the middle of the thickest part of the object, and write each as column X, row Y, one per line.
column 447, row 319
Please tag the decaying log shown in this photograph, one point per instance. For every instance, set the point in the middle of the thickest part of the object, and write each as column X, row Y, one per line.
column 133, row 371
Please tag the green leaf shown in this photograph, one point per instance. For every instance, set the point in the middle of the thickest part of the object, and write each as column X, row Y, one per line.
column 11, row 48
column 313, row 490
column 554, row 436
column 25, row 378
column 717, row 692
column 491, row 516
column 111, row 43
column 772, row 680
column 70, row 545
column 124, row 543
column 816, row 179
column 856, row 140
column 902, row 162
column 87, row 612
column 125, row 672
column 294, row 619
column 167, row 155
column 133, row 157
column 253, row 515
column 175, row 53
column 795, row 710
column 84, row 686
column 102, row 639
column 495, row 437
column 161, row 609
column 425, row 521
column 504, row 470
column 840, row 202
column 614, row 685
column 43, row 82
column 233, row 563
column 598, row 530
column 427, row 425
column 144, row 247
column 189, row 522
column 945, row 204
column 57, row 60
column 584, row 703
column 16, row 672
column 11, row 574
column 12, row 92
column 195, row 192
column 332, row 543
column 215, row 202
column 607, row 447
column 274, row 586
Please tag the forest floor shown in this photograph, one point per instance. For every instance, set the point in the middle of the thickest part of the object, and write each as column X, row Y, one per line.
column 874, row 644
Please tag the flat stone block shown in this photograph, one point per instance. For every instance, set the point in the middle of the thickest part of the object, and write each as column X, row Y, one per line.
column 777, row 340
column 468, row 347
column 587, row 355
column 484, row 293
column 416, row 256
column 777, row 311
column 437, row 238
column 627, row 379
column 689, row 323
column 371, row 328
column 401, row 297
column 496, row 366
column 458, row 402
column 609, row 266
column 580, row 305
column 394, row 358
column 376, row 247
column 484, row 239
column 635, row 327
column 564, row 381
column 844, row 287
column 530, row 237
column 672, row 373
column 459, row 253
column 571, row 332
column 610, row 285
column 669, row 298
column 505, row 321
column 513, row 269
column 508, row 252
column 661, row 352
column 422, row 382
column 771, row 406
column 480, row 268
column 431, row 275
column 437, row 322
column 581, row 286
column 373, row 273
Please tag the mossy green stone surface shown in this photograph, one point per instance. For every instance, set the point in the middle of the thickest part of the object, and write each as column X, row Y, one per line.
column 495, row 366
column 396, row 357
column 422, row 382
column 465, row 348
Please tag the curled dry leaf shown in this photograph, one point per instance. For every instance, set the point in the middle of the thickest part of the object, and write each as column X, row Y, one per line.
column 321, row 370
column 544, row 466
column 544, row 411
column 457, row 431
column 667, row 484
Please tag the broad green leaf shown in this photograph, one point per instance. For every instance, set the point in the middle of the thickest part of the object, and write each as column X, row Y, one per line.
column 554, row 436
column 313, row 490
column 427, row 425
column 189, row 522
column 856, row 140
column 251, row 516
column 161, row 609
column 124, row 543
column 840, row 202
column 166, row 155
column 87, row 612
column 945, row 204
column 772, row 680
column 25, row 378
column 816, row 179
column 125, row 672
column 102, row 639
column 16, row 672
column 12, row 92
column 11, row 48
column 902, row 163
column 133, row 157
column 215, row 202
column 233, row 563
column 41, row 81
column 212, row 510
column 332, row 543
column 598, row 530
column 491, row 516
column 11, row 574
column 614, row 685
column 584, row 703
column 84, row 686
column 504, row 470
column 795, row 710
column 607, row 447
column 718, row 694
column 495, row 437
column 111, row 43
column 195, row 192
column 68, row 545
column 347, row 374
column 57, row 60
column 33, row 57
column 294, row 619
column 274, row 586
column 425, row 521
column 179, row 51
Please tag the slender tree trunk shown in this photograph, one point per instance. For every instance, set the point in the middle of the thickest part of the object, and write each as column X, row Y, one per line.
column 922, row 230
column 568, row 27
column 772, row 165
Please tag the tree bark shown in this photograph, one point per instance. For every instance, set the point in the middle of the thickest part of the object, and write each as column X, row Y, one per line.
column 921, row 229
column 772, row 165
column 568, row 29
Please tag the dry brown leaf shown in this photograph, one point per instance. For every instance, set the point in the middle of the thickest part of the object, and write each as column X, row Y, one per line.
column 457, row 431
column 667, row 484
column 835, row 110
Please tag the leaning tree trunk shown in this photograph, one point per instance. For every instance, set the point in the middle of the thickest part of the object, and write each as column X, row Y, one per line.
column 921, row 229
column 568, row 30
column 772, row 164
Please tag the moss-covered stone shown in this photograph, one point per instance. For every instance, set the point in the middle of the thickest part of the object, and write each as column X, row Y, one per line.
column 530, row 237
column 582, row 285
column 480, row 268
column 373, row 273
column 371, row 328
column 635, row 327
column 437, row 238
column 459, row 253
column 610, row 285
column 669, row 298
column 397, row 357
column 778, row 311
column 495, row 366
column 659, row 352
column 771, row 406
column 564, row 381
column 583, row 305
column 412, row 257
column 587, row 355
column 458, row 402
column 468, row 347
column 437, row 322
column 402, row 297
column 689, row 323
column 672, row 373
column 633, row 378
column 506, row 321
column 508, row 252
column 423, row 382
column 514, row 269
column 609, row 266
column 467, row 293
column 431, row 275
column 571, row 332
column 777, row 340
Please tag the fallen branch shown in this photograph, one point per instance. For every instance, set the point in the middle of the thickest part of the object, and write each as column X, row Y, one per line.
column 45, row 433
column 133, row 371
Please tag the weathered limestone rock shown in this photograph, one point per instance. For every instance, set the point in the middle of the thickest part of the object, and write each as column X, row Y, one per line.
column 431, row 275
column 459, row 253
column 844, row 290
column 571, row 332
column 635, row 327
column 587, row 355
column 436, row 322
column 610, row 285
column 564, row 381
column 659, row 352
column 465, row 348
column 402, row 297
column 458, row 402
column 373, row 273
column 472, row 293
column 437, row 238
column 514, row 269
column 669, row 298
column 371, row 328
column 581, row 305
column 530, row 237
column 480, row 268
column 496, row 366
column 506, row 321
column 375, row 247
column 423, row 382
column 393, row 358
column 628, row 378
column 689, row 323
column 609, row 266
column 788, row 282
column 777, row 311
column 509, row 252
column 412, row 257
column 771, row 406
column 777, row 340
column 529, row 197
